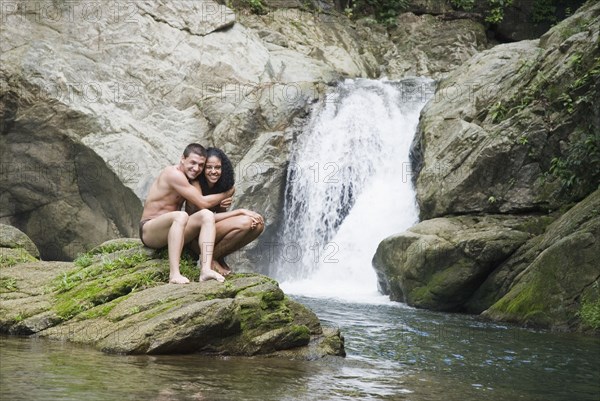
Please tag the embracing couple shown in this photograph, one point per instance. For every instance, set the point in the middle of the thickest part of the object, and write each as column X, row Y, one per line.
column 204, row 180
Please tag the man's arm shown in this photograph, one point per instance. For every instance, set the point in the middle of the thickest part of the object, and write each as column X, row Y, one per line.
column 194, row 195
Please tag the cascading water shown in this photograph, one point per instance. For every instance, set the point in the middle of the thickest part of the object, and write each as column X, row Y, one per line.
column 349, row 187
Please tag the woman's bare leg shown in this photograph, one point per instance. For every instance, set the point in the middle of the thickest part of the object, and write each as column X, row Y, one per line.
column 201, row 225
column 233, row 234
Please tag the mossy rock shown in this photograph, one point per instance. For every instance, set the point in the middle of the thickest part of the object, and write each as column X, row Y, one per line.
column 13, row 238
column 557, row 285
column 116, row 298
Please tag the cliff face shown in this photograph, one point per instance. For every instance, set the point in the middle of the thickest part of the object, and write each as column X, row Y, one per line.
column 511, row 141
column 98, row 97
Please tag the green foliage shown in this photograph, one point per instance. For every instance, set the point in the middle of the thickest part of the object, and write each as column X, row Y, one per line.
column 498, row 112
column 256, row 6
column 384, row 11
column 8, row 284
column 567, row 102
column 544, row 11
column 579, row 168
column 580, row 25
column 589, row 312
column 11, row 257
column 496, row 13
column 84, row 260
column 466, row 5
column 114, row 246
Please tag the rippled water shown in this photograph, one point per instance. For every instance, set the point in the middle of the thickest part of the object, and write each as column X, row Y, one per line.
column 394, row 353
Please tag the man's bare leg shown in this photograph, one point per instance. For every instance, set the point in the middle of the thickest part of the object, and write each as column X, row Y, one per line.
column 233, row 234
column 168, row 229
column 202, row 225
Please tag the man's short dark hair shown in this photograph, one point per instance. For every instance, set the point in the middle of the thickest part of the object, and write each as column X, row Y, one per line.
column 194, row 148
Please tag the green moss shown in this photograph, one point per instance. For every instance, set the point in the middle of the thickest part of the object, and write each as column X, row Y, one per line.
column 102, row 310
column 114, row 246
column 161, row 308
column 527, row 304
column 580, row 25
column 84, row 288
column 590, row 314
column 87, row 272
column 270, row 299
column 10, row 257
column 299, row 333
column 421, row 296
column 8, row 284
column 589, row 311
column 535, row 226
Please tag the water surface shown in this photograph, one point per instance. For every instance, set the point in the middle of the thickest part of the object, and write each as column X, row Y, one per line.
column 394, row 353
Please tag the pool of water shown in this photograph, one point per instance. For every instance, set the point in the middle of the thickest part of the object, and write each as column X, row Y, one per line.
column 394, row 353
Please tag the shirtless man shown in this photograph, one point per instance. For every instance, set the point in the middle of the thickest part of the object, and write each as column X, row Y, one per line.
column 163, row 222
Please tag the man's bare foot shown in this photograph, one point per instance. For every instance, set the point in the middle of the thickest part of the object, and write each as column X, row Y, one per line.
column 208, row 274
column 220, row 268
column 178, row 279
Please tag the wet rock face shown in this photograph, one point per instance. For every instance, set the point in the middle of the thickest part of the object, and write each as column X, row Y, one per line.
column 56, row 189
column 112, row 93
column 115, row 298
column 439, row 263
column 487, row 140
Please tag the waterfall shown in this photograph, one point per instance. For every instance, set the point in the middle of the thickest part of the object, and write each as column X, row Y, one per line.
column 349, row 187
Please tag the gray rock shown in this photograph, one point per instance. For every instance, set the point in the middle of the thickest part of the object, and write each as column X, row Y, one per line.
column 13, row 238
column 488, row 138
column 551, row 277
column 438, row 264
column 115, row 298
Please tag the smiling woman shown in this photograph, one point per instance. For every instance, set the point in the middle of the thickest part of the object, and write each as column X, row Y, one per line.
column 218, row 174
column 235, row 228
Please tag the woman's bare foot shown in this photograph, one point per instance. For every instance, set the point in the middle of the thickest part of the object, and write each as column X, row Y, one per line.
column 221, row 267
column 208, row 274
column 178, row 279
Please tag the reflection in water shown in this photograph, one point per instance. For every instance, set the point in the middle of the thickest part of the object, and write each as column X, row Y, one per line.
column 394, row 353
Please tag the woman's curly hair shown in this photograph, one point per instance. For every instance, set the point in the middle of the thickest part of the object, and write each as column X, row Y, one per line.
column 227, row 179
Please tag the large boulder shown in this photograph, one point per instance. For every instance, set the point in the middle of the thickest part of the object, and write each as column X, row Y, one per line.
column 554, row 279
column 13, row 238
column 500, row 123
column 115, row 299
column 16, row 247
column 438, row 264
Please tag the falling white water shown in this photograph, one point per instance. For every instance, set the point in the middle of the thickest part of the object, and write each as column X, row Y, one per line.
column 349, row 187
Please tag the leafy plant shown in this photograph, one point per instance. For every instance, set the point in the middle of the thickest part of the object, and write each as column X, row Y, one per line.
column 580, row 167
column 256, row 6
column 498, row 112
column 466, row 5
column 496, row 13
column 544, row 11
column 384, row 11
column 589, row 311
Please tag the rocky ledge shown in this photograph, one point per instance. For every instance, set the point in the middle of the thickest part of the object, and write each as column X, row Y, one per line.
column 115, row 299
